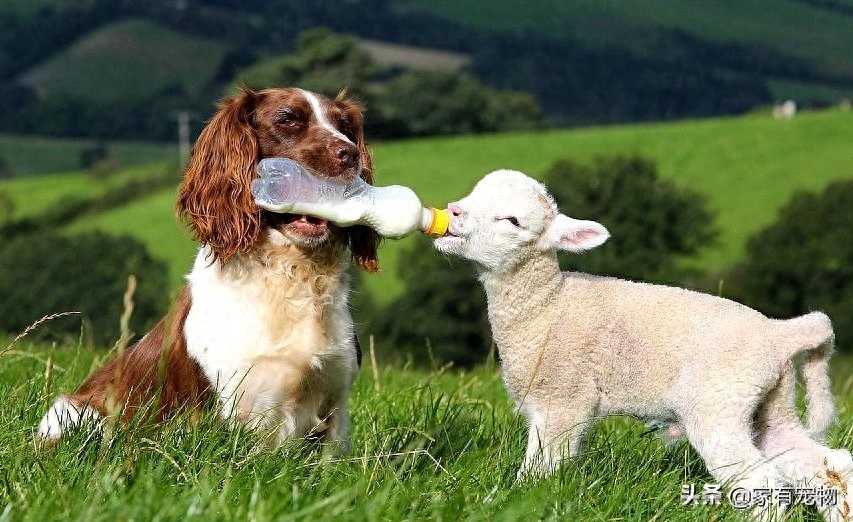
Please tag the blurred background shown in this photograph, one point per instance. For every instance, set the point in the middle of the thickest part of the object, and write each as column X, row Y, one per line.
column 713, row 138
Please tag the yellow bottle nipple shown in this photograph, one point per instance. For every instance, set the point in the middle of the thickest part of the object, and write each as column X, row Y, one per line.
column 439, row 222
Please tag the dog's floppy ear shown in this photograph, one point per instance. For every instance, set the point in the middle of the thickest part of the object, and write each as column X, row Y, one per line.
column 363, row 241
column 215, row 199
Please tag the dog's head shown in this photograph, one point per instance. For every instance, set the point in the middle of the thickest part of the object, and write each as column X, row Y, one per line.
column 324, row 135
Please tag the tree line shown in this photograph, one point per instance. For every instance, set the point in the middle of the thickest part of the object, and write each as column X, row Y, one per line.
column 682, row 75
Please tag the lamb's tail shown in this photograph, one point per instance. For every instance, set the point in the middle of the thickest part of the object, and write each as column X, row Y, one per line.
column 813, row 333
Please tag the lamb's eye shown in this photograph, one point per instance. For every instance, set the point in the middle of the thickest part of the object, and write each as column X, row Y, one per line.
column 511, row 219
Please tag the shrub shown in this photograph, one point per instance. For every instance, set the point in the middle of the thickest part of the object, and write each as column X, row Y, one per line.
column 804, row 260
column 93, row 154
column 49, row 273
column 442, row 315
column 6, row 171
column 322, row 62
column 431, row 102
column 653, row 222
column 7, row 207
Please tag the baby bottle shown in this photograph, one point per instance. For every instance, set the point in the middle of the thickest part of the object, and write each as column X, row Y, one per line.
column 284, row 186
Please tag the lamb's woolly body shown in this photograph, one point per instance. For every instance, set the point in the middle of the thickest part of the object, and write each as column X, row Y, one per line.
column 575, row 347
column 291, row 376
column 618, row 324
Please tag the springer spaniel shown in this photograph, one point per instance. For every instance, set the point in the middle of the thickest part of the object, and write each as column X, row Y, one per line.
column 262, row 330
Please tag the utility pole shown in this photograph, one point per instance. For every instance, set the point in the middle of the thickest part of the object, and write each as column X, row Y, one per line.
column 183, row 137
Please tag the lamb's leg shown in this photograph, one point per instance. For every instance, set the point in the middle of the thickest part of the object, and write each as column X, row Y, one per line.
column 803, row 461
column 553, row 436
column 723, row 438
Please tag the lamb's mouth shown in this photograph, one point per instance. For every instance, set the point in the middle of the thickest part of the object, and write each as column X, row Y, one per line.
column 448, row 242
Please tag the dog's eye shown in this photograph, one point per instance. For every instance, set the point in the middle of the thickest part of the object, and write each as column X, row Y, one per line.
column 287, row 117
column 346, row 129
column 512, row 219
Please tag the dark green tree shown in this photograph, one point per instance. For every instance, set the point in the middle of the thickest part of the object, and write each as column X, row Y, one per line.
column 442, row 315
column 94, row 153
column 414, row 103
column 7, row 207
column 434, row 102
column 323, row 62
column 50, row 273
column 652, row 221
column 804, row 261
column 6, row 171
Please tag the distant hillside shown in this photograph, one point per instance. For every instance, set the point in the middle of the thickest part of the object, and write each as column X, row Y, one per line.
column 407, row 56
column 748, row 167
column 817, row 32
column 34, row 156
column 734, row 53
column 128, row 61
column 586, row 62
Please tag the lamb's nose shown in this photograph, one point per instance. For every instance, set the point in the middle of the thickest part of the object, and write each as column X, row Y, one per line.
column 454, row 209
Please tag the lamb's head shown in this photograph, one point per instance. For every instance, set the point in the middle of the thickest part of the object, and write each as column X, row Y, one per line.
column 510, row 217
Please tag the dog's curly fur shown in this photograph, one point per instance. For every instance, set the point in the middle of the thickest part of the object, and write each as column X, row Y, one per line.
column 262, row 330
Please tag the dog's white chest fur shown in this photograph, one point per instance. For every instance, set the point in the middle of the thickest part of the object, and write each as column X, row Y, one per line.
column 276, row 342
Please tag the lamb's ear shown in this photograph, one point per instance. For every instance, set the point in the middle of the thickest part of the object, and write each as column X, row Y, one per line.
column 574, row 235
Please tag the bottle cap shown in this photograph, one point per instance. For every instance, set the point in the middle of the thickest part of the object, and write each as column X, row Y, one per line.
column 439, row 224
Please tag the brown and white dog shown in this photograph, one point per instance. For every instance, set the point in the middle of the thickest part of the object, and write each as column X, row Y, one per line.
column 262, row 330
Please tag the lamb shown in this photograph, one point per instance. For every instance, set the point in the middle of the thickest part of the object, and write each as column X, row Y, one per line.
column 576, row 347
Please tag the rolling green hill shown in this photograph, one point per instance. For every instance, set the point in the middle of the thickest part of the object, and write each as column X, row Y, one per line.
column 789, row 26
column 128, row 61
column 799, row 29
column 110, row 70
column 28, row 156
column 747, row 166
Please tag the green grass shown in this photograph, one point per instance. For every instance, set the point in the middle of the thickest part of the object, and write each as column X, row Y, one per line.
column 28, row 156
column 37, row 194
column 136, row 58
column 747, row 166
column 427, row 445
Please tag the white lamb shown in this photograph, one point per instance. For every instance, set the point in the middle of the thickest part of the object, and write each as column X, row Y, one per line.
column 576, row 347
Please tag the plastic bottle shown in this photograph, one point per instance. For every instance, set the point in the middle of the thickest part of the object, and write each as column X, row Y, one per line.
column 284, row 186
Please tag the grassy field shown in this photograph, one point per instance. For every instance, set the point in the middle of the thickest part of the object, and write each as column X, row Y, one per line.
column 37, row 194
column 427, row 445
column 136, row 58
column 747, row 167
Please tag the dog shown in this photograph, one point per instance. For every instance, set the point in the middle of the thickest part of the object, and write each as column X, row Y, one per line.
column 261, row 331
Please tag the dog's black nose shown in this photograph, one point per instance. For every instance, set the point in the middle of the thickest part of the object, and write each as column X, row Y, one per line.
column 346, row 154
